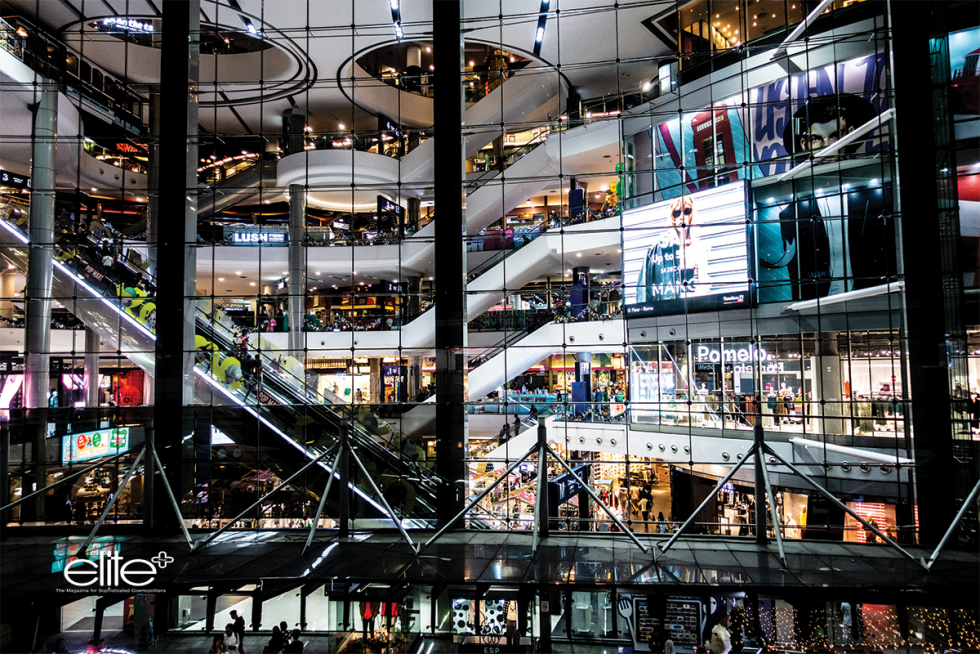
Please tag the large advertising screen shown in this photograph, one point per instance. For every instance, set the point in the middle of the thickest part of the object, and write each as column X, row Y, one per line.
column 689, row 253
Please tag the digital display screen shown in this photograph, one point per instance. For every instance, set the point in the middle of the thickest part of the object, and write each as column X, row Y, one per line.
column 689, row 253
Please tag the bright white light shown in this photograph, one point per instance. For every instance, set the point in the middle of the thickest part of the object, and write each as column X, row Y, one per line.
column 341, row 126
column 647, row 85
column 394, row 5
column 539, row 36
column 251, row 28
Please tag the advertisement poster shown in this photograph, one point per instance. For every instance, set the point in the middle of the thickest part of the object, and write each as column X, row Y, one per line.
column 825, row 234
column 964, row 55
column 687, row 254
column 93, row 445
column 768, row 123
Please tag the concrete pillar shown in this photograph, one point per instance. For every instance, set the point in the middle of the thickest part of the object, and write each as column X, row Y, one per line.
column 297, row 269
column 8, row 290
column 413, row 56
column 153, row 184
column 294, row 131
column 376, row 387
column 93, row 346
column 41, row 253
column 827, row 386
column 412, row 299
column 411, row 220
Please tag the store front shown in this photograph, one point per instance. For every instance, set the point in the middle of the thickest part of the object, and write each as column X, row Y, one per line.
column 732, row 384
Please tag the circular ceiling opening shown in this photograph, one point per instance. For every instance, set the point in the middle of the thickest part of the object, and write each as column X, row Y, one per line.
column 213, row 40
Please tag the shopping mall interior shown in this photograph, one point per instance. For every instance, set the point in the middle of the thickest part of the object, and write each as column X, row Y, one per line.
column 303, row 304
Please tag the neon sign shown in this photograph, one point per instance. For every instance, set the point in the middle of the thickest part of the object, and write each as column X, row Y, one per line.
column 117, row 22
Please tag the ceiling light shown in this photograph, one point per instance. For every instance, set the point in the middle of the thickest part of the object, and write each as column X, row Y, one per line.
column 221, row 279
column 317, row 272
column 341, row 126
column 647, row 85
column 238, row 272
column 431, row 67
column 251, row 283
column 428, row 49
column 472, row 64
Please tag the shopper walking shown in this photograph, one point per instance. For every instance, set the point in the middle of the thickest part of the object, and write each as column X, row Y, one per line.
column 239, row 628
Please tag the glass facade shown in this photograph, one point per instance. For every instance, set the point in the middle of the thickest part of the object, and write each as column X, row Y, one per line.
column 683, row 230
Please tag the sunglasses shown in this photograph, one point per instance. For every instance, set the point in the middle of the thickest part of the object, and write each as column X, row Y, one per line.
column 676, row 213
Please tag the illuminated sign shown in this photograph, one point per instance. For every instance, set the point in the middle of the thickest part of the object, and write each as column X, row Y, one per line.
column 688, row 253
column 254, row 238
column 118, row 22
column 387, row 206
column 731, row 355
column 17, row 181
column 93, row 445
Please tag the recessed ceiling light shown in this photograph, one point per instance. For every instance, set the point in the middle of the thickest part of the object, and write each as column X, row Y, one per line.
column 317, row 273
column 251, row 283
column 221, row 279
column 341, row 125
column 238, row 272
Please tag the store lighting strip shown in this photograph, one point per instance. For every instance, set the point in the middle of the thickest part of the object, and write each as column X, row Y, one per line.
column 396, row 18
column 539, row 30
column 795, row 34
column 882, row 289
column 874, row 123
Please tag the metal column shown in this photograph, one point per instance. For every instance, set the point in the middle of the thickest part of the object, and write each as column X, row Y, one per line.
column 37, row 343
column 297, row 269
column 176, row 264
column 153, row 183
column 932, row 285
column 450, row 265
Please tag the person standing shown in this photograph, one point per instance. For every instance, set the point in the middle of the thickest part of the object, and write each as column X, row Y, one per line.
column 229, row 642
column 239, row 629
column 295, row 644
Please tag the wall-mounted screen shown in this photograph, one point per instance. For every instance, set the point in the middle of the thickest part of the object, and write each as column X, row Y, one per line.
column 689, row 253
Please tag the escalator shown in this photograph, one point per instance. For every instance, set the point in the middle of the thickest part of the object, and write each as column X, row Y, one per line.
column 287, row 407
column 237, row 188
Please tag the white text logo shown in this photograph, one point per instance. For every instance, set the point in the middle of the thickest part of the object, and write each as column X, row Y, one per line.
column 110, row 569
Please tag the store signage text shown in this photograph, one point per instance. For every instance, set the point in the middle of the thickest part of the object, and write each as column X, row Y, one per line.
column 17, row 181
column 387, row 206
column 127, row 24
column 109, row 570
column 251, row 238
column 731, row 355
column 93, row 273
